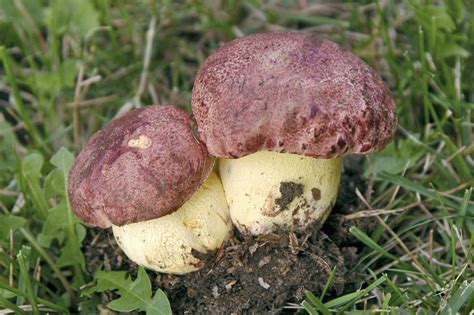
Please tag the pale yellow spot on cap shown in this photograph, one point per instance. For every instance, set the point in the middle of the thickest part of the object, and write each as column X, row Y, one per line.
column 142, row 142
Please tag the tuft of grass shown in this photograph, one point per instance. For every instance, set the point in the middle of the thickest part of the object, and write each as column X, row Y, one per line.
column 68, row 67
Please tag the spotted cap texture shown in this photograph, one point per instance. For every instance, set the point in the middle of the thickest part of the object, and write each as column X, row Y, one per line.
column 289, row 92
column 141, row 166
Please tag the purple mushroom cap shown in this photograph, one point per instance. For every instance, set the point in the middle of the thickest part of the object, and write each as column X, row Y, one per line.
column 290, row 92
column 141, row 166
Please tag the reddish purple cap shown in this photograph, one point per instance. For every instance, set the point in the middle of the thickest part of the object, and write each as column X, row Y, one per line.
column 289, row 92
column 141, row 166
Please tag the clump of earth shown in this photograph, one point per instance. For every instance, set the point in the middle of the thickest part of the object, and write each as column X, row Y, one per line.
column 262, row 274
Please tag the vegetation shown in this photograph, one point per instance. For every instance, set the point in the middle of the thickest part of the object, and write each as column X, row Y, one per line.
column 68, row 67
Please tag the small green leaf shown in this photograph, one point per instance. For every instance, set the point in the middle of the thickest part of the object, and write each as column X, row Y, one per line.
column 54, row 225
column 63, row 160
column 74, row 16
column 80, row 232
column 426, row 13
column 54, row 184
column 12, row 14
column 456, row 9
column 159, row 304
column 9, row 221
column 134, row 295
column 55, row 81
column 32, row 164
column 89, row 305
column 29, row 175
column 7, row 156
column 452, row 49
column 396, row 157
column 71, row 254
column 61, row 222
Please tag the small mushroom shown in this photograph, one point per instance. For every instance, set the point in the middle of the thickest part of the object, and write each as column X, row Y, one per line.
column 281, row 109
column 148, row 176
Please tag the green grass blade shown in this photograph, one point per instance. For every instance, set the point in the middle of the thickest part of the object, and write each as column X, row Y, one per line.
column 6, row 303
column 354, row 296
column 454, row 240
column 397, row 290
column 328, row 282
column 31, row 128
column 29, row 177
column 43, row 253
column 26, row 252
column 310, row 19
column 462, row 295
column 309, row 308
column 317, row 303
column 463, row 209
column 416, row 187
column 364, row 238
column 47, row 303
column 27, row 281
column 365, row 291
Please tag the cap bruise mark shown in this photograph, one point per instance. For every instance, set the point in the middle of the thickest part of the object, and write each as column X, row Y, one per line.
column 316, row 193
column 289, row 191
column 141, row 142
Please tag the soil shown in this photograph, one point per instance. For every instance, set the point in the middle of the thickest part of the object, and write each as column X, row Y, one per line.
column 266, row 274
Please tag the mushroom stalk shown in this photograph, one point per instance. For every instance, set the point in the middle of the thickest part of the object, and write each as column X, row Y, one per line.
column 172, row 243
column 267, row 191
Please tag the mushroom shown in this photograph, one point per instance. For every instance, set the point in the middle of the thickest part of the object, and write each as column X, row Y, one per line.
column 280, row 109
column 148, row 176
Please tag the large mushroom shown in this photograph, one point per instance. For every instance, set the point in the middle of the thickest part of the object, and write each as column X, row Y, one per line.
column 149, row 177
column 281, row 109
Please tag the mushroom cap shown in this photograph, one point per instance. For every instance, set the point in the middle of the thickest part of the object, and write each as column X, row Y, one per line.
column 290, row 92
column 141, row 166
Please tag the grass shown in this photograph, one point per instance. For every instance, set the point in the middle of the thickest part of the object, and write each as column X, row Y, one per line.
column 68, row 67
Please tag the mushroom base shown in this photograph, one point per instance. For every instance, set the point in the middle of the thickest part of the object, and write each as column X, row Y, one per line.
column 269, row 191
column 169, row 244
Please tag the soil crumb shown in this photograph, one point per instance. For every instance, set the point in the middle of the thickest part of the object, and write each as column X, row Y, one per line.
column 257, row 275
